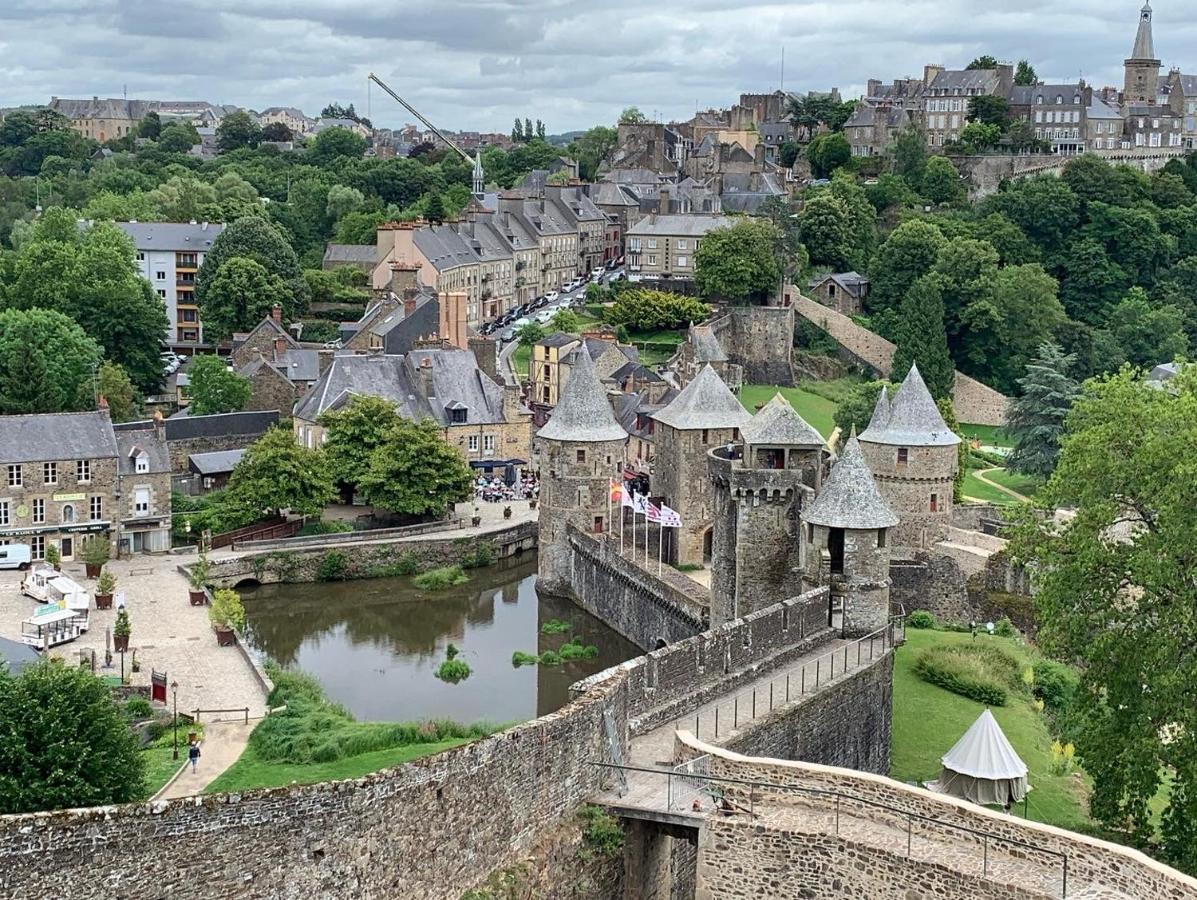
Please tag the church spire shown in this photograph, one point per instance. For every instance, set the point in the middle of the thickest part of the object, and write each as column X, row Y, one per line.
column 1144, row 43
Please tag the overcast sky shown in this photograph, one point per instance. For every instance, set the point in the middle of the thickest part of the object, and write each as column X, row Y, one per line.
column 476, row 64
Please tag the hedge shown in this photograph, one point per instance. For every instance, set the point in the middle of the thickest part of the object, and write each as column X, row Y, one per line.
column 981, row 672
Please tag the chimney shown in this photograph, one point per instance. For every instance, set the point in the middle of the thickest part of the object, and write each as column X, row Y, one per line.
column 276, row 313
column 404, row 277
column 758, row 156
column 426, row 376
column 663, row 201
column 159, row 425
column 930, row 72
column 483, row 349
column 409, row 302
column 451, row 323
column 280, row 347
column 326, row 359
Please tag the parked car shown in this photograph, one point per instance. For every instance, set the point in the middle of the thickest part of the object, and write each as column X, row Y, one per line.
column 551, row 296
column 597, row 274
column 508, row 335
column 15, row 556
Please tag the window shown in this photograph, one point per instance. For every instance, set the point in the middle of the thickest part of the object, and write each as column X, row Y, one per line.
column 488, row 443
column 97, row 508
column 39, row 511
column 903, row 456
column 652, row 259
column 83, row 470
column 141, row 502
column 935, row 503
column 683, row 261
column 37, row 546
column 581, row 456
column 68, row 514
column 682, row 245
column 187, row 315
column 652, row 243
column 140, row 256
column 160, row 275
column 50, row 473
column 142, row 463
column 457, row 416
column 472, row 443
column 162, row 293
column 880, row 538
column 14, row 476
column 4, row 514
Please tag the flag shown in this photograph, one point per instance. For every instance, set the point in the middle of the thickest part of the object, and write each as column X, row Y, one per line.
column 625, row 497
column 640, row 504
column 616, row 492
column 653, row 514
column 669, row 518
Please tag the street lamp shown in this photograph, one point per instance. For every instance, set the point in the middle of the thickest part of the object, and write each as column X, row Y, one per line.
column 174, row 690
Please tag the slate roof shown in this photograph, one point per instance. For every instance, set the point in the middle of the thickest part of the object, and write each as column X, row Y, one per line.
column 778, row 424
column 985, row 80
column 583, row 413
column 852, row 282
column 179, row 236
column 186, row 427
column 300, row 364
column 1144, row 44
column 706, row 346
column 914, row 419
column 364, row 254
column 849, row 498
column 50, row 437
column 557, row 339
column 880, row 418
column 130, row 443
column 607, row 193
column 680, row 225
column 444, row 247
column 216, row 463
column 640, row 374
column 706, row 402
column 16, row 656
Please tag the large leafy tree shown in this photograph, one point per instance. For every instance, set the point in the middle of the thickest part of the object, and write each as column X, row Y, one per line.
column 1024, row 74
column 1045, row 208
column 990, row 109
column 826, row 231
column 416, row 472
column 1035, row 419
column 922, row 339
column 856, row 409
column 941, row 181
column 643, row 309
column 46, row 363
column 738, row 264
column 124, row 402
column 1115, row 592
column 909, row 253
column 827, row 152
column 1148, row 333
column 63, row 742
column 334, row 144
column 215, row 388
column 254, row 238
column 352, row 434
column 240, row 296
column 237, row 130
column 909, row 153
column 277, row 473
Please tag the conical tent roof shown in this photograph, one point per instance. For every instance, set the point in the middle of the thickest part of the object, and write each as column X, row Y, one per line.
column 984, row 752
column 583, row 412
column 881, row 413
column 777, row 424
column 706, row 402
column 914, row 419
column 849, row 498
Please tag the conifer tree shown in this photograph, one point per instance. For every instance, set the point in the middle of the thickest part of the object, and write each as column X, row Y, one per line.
column 923, row 339
column 1036, row 419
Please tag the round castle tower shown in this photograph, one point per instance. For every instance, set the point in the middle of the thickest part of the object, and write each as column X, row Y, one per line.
column 847, row 542
column 703, row 416
column 914, row 457
column 580, row 450
column 761, row 487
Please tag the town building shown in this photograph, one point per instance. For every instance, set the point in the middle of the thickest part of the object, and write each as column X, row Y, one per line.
column 1141, row 84
column 102, row 119
column 554, row 356
column 1180, row 93
column 844, row 292
column 169, row 255
column 872, row 129
column 363, row 257
column 947, row 93
column 66, row 476
column 588, row 221
column 662, row 248
column 212, row 470
column 293, row 118
column 702, row 348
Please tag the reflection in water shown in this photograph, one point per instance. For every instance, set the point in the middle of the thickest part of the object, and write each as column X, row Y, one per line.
column 374, row 645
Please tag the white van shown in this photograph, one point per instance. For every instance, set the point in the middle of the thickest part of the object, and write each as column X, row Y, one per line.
column 46, row 584
column 15, row 556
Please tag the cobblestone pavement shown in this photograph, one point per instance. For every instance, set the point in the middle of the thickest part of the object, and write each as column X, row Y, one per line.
column 168, row 634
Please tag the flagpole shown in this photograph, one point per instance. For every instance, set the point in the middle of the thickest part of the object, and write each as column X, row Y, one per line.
column 660, row 548
column 633, row 527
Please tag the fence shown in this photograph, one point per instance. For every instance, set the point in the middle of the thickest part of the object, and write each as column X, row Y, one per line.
column 348, row 537
column 684, row 785
column 728, row 713
column 267, row 528
column 243, row 710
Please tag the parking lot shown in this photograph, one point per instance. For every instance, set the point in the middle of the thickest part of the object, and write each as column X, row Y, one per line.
column 542, row 309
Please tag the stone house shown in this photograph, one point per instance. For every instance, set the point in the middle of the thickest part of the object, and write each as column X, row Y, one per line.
column 102, row 119
column 554, row 357
column 588, row 220
column 1057, row 112
column 947, row 93
column 556, row 237
column 65, row 476
column 362, row 257
column 187, row 435
column 872, row 129
column 293, row 118
column 279, row 369
column 1180, row 93
column 212, row 470
column 662, row 248
column 405, row 314
column 844, row 292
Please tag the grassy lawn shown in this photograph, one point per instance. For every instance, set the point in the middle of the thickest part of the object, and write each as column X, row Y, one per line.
column 978, row 490
column 251, row 772
column 818, row 411
column 928, row 720
column 521, row 359
column 989, row 435
column 1021, row 483
column 160, row 767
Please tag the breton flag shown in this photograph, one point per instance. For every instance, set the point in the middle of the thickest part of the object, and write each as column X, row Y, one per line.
column 668, row 518
column 625, row 497
column 640, row 504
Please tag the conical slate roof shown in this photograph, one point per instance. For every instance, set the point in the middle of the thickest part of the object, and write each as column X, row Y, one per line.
column 849, row 498
column 1144, row 44
column 583, row 412
column 984, row 752
column 881, row 414
column 706, row 402
column 914, row 419
column 778, row 424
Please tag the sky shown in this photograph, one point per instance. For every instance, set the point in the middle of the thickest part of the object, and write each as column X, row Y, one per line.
column 477, row 64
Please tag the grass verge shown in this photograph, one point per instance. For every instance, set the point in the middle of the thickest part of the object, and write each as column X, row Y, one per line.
column 818, row 411
column 160, row 766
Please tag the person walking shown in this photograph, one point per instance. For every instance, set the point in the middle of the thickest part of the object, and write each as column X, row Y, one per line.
column 193, row 754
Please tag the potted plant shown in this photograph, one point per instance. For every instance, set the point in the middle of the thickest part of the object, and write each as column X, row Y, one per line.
column 198, row 576
column 54, row 557
column 506, row 512
column 227, row 615
column 104, row 588
column 96, row 551
column 121, row 631
column 476, row 519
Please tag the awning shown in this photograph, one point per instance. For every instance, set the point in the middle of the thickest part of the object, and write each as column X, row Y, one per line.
column 496, row 463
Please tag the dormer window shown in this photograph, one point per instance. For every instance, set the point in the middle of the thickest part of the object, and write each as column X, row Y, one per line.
column 141, row 460
column 457, row 413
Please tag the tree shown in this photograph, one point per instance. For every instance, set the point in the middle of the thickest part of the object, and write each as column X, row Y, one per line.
column 255, row 238
column 990, row 109
column 1092, row 283
column 517, row 131
column 1035, row 420
column 277, row 473
column 1025, row 73
column 642, row 309
column 278, row 132
column 1044, row 207
column 566, row 320
column 1114, row 593
column 183, row 198
column 150, row 126
column 178, row 137
column 788, row 154
column 738, row 264
column 906, row 256
column 826, row 231
column 632, row 116
column 416, row 472
column 922, row 339
column 352, row 434
column 889, row 191
column 333, row 144
column 529, row 333
column 237, row 130
column 343, row 200
column 46, row 363
column 982, row 62
column 910, row 155
column 1148, row 334
column 529, row 131
column 941, row 181
column 592, row 149
column 124, row 403
column 215, row 388
column 540, row 130
column 241, row 294
column 434, row 209
column 977, row 137
column 862, row 219
column 66, row 742
column 1021, row 135
column 827, row 152
column 856, row 409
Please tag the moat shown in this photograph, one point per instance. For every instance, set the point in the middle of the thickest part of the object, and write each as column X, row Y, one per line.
column 375, row 645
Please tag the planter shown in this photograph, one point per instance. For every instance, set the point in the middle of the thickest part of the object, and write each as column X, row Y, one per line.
column 476, row 521
column 506, row 512
column 226, row 637
column 103, row 601
column 93, row 571
column 197, row 598
column 531, row 504
column 120, row 643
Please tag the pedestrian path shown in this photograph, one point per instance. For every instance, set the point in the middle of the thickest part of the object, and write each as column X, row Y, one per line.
column 222, row 746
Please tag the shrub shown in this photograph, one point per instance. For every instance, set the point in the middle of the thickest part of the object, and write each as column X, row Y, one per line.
column 575, row 650
column 1056, row 684
column 451, row 652
column 408, row 564
column 106, row 583
column 314, row 528
column 980, row 672
column 920, row 618
column 550, row 658
column 138, row 708
column 601, row 832
column 453, row 670
column 481, row 556
column 333, row 566
column 198, row 574
column 441, row 579
column 554, row 626
column 227, row 610
column 520, row 658
column 53, row 555
column 1005, row 628
column 96, row 550
column 122, row 628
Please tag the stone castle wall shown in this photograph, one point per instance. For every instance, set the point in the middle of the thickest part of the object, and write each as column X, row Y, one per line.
column 975, row 403
column 930, row 472
column 759, row 339
column 680, row 477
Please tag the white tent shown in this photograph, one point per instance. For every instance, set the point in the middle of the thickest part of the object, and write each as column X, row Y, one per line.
column 982, row 767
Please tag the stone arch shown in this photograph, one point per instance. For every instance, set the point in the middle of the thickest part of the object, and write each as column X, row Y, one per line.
column 660, row 644
column 248, row 581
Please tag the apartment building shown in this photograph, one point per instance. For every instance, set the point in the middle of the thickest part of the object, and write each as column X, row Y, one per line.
column 169, row 255
column 947, row 94
column 66, row 476
column 1057, row 112
column 661, row 248
column 287, row 115
column 588, row 221
column 556, row 237
column 102, row 119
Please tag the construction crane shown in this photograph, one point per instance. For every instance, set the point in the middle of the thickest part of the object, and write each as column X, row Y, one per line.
column 474, row 161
